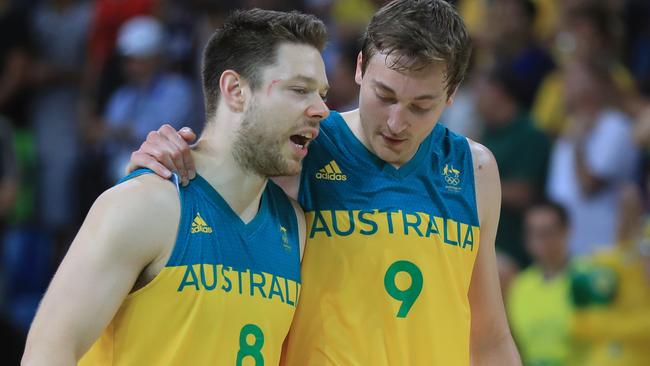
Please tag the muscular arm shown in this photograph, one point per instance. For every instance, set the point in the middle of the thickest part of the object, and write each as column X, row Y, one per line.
column 490, row 339
column 119, row 238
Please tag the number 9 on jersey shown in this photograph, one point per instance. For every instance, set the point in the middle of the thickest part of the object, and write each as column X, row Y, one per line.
column 410, row 294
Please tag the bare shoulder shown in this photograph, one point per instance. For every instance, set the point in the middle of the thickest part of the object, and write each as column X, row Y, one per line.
column 139, row 215
column 484, row 162
column 486, row 177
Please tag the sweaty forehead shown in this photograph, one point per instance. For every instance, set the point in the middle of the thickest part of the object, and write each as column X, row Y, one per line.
column 295, row 60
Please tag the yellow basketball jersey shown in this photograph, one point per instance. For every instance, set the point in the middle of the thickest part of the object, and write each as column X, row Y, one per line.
column 389, row 255
column 226, row 296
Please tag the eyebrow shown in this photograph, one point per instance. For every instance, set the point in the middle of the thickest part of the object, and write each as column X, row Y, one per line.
column 389, row 89
column 310, row 80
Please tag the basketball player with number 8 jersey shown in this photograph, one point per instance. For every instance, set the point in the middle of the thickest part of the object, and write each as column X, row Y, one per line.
column 215, row 278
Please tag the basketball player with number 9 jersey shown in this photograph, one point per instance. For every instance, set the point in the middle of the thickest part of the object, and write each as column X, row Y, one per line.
column 389, row 253
column 400, row 265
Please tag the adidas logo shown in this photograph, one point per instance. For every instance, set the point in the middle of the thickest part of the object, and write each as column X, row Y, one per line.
column 331, row 171
column 199, row 225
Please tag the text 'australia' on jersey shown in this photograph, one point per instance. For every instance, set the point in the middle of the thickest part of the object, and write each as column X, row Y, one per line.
column 226, row 296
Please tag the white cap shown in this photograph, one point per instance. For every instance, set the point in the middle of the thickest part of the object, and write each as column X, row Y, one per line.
column 141, row 36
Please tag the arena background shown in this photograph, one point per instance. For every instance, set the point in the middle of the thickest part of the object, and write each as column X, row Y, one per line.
column 559, row 90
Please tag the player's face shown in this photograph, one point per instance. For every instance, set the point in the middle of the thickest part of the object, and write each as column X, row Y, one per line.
column 140, row 69
column 545, row 237
column 398, row 110
column 284, row 113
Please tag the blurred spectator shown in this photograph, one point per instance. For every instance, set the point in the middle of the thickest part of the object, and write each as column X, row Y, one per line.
column 101, row 71
column 546, row 23
column 636, row 15
column 209, row 15
column 515, row 47
column 109, row 15
column 14, row 61
column 180, row 22
column 8, row 172
column 352, row 16
column 344, row 92
column 55, row 74
column 589, row 32
column 461, row 116
column 150, row 97
column 474, row 13
column 538, row 303
column 521, row 151
column 617, row 331
column 508, row 270
column 593, row 157
column 10, row 335
column 281, row 5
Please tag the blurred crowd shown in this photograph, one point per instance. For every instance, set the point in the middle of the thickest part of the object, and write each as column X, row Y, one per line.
column 558, row 90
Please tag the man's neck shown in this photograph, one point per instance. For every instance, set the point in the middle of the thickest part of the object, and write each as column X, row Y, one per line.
column 241, row 189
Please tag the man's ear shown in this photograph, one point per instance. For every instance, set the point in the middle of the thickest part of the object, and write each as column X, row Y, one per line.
column 358, row 74
column 232, row 88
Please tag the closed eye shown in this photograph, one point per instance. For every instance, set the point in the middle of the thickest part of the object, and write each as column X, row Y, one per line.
column 301, row 91
column 386, row 100
column 418, row 110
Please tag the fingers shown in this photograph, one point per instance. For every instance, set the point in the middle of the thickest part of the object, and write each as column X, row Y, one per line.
column 187, row 134
column 166, row 151
column 141, row 159
column 161, row 151
column 180, row 152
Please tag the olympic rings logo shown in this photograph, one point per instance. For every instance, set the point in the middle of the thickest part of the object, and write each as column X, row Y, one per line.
column 452, row 180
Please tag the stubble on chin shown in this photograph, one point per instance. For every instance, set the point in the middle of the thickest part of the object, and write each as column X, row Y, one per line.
column 258, row 152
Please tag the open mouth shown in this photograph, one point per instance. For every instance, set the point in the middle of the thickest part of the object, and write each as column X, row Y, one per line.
column 302, row 140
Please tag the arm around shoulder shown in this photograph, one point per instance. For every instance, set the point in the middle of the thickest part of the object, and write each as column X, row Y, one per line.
column 491, row 341
column 118, row 239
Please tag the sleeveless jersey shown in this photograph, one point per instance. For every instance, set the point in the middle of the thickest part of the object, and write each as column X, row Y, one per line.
column 226, row 296
column 389, row 254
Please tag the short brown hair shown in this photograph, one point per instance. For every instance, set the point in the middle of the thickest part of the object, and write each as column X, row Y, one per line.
column 419, row 32
column 248, row 41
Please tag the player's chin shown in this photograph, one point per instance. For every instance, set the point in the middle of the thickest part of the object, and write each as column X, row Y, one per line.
column 291, row 166
column 390, row 154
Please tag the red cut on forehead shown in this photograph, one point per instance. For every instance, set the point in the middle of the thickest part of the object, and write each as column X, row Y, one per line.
column 268, row 90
